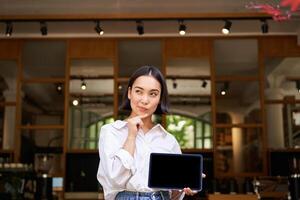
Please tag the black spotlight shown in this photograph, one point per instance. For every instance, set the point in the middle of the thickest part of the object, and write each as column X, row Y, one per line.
column 43, row 29
column 174, row 83
column 59, row 88
column 182, row 27
column 298, row 85
column 204, row 83
column 264, row 26
column 140, row 27
column 225, row 88
column 98, row 29
column 226, row 28
column 83, row 85
column 9, row 29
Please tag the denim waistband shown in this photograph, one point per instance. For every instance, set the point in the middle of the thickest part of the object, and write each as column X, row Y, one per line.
column 153, row 195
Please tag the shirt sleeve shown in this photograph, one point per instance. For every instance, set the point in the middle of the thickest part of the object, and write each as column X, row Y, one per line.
column 176, row 147
column 116, row 164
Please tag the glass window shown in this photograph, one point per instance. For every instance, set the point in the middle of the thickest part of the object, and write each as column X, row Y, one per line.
column 237, row 148
column 43, row 103
column 283, row 125
column 236, row 57
column 8, row 80
column 86, row 129
column 188, row 67
column 47, row 56
column 7, row 126
column 190, row 132
column 91, row 100
column 137, row 53
column 282, row 78
column 236, row 101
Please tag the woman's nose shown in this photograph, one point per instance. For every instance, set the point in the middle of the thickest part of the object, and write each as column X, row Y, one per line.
column 145, row 99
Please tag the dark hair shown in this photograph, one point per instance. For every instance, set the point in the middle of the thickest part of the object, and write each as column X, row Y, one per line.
column 163, row 106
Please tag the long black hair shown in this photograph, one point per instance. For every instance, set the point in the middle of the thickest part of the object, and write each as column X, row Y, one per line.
column 163, row 106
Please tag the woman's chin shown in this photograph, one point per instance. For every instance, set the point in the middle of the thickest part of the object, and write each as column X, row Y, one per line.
column 143, row 113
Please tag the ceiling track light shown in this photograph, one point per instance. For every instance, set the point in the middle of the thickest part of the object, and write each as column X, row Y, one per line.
column 9, row 29
column 204, row 84
column 182, row 27
column 98, row 28
column 174, row 84
column 264, row 26
column 226, row 28
column 83, row 85
column 75, row 102
column 225, row 88
column 140, row 27
column 59, row 87
column 43, row 28
column 298, row 85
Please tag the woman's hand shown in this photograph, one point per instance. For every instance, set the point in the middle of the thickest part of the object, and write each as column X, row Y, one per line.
column 134, row 124
column 188, row 191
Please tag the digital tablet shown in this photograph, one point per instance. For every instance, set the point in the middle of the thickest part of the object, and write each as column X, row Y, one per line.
column 175, row 171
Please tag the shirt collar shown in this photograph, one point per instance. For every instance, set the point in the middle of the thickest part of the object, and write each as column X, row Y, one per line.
column 119, row 124
column 164, row 131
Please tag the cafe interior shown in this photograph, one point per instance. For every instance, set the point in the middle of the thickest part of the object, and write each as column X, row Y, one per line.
column 233, row 74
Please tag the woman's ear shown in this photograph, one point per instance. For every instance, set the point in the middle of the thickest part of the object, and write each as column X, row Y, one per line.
column 129, row 93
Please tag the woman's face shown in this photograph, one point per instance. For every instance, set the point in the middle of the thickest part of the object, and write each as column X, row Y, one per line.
column 144, row 95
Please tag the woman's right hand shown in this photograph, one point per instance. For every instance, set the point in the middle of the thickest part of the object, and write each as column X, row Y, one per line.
column 134, row 124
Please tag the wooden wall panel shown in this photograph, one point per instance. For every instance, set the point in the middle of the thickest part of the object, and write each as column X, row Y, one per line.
column 187, row 47
column 9, row 49
column 280, row 46
column 92, row 48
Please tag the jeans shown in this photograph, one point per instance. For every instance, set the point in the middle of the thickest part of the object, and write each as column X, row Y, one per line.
column 158, row 195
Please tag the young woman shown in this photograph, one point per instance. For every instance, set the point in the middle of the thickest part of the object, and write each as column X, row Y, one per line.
column 125, row 146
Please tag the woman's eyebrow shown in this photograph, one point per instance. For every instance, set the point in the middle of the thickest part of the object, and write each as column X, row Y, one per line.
column 152, row 90
column 138, row 87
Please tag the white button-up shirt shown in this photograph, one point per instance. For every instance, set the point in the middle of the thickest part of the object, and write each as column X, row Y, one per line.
column 118, row 169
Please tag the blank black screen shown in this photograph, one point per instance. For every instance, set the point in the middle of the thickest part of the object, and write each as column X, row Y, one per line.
column 175, row 171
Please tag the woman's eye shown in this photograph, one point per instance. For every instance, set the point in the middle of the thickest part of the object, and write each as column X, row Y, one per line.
column 138, row 91
column 153, row 94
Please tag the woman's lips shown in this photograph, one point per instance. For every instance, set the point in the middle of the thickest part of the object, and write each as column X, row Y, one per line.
column 141, row 109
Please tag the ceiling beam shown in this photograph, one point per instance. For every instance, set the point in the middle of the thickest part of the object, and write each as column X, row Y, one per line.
column 141, row 16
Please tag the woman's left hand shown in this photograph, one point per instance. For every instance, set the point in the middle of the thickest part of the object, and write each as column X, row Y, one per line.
column 189, row 192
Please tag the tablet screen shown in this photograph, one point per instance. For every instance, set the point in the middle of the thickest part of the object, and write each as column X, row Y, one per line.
column 175, row 171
